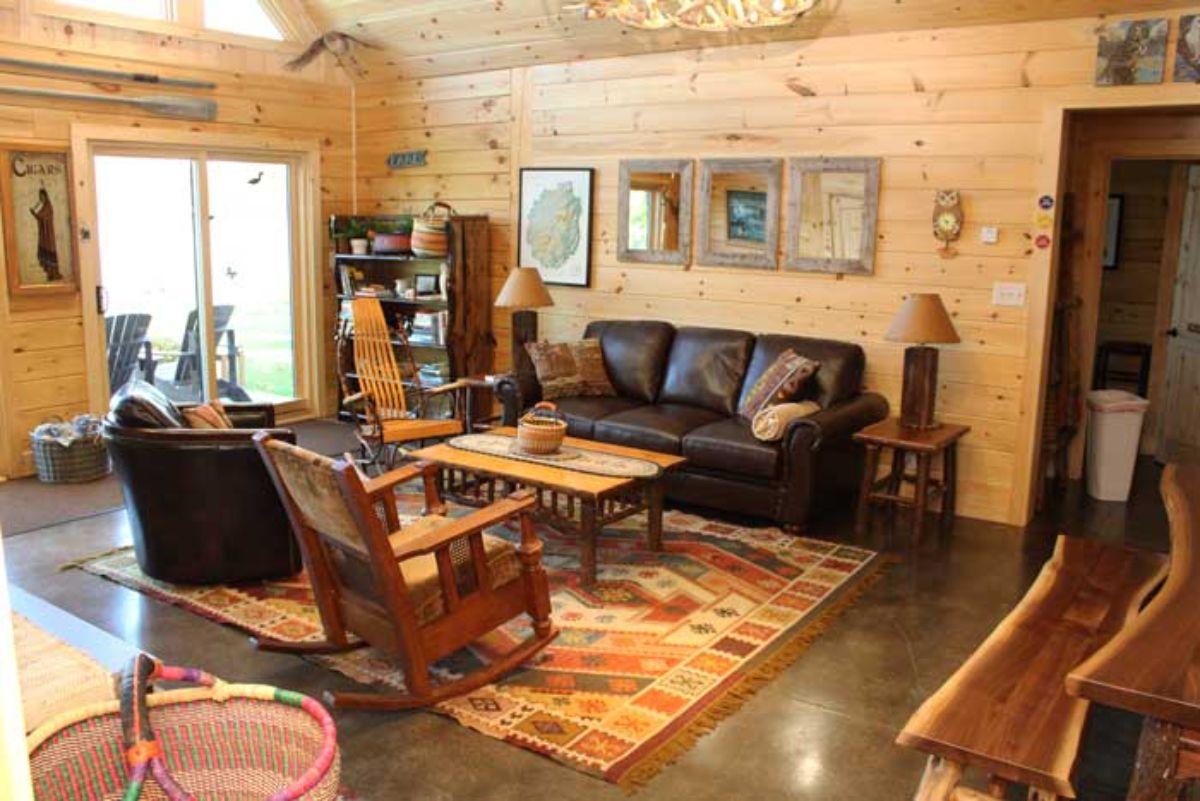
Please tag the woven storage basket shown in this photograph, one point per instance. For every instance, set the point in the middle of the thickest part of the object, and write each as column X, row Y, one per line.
column 85, row 459
column 431, row 233
column 542, row 429
column 219, row 742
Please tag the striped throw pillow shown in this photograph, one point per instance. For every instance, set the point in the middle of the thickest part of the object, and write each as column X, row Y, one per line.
column 780, row 382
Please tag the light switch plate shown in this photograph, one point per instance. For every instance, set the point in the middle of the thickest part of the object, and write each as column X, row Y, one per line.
column 989, row 235
column 1008, row 293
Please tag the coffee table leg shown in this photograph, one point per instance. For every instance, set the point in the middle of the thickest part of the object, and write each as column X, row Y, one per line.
column 654, row 514
column 587, row 542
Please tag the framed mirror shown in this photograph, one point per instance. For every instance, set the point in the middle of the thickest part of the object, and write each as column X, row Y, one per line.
column 833, row 206
column 739, row 212
column 654, row 214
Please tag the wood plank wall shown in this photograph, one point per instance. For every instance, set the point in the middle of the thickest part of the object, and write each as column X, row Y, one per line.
column 962, row 108
column 1129, row 293
column 42, row 361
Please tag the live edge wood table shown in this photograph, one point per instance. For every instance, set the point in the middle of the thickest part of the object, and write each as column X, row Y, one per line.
column 571, row 501
column 1152, row 667
column 925, row 444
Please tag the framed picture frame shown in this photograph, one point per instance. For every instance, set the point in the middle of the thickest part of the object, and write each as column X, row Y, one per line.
column 426, row 284
column 555, row 224
column 746, row 216
column 39, row 221
column 1113, row 223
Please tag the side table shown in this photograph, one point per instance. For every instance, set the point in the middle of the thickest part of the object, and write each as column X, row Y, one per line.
column 924, row 444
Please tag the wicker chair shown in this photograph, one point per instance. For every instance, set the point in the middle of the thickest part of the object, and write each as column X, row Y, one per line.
column 418, row 592
column 396, row 409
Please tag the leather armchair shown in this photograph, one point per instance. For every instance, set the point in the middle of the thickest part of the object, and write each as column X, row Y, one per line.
column 201, row 505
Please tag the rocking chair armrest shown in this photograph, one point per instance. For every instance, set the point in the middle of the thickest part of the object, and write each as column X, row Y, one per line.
column 478, row 520
column 453, row 386
column 400, row 475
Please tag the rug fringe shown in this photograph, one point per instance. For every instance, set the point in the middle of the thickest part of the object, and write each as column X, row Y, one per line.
column 736, row 696
column 78, row 563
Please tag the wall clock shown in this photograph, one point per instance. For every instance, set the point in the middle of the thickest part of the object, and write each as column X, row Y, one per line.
column 947, row 220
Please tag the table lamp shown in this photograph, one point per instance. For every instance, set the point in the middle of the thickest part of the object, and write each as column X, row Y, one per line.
column 923, row 321
column 523, row 291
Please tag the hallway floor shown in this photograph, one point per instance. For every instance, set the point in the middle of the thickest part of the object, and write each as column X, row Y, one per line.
column 822, row 730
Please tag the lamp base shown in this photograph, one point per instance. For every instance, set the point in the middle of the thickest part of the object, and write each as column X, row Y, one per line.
column 524, row 330
column 918, row 398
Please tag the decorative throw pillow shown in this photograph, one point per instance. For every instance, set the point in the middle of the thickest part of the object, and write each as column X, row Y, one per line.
column 555, row 367
column 209, row 415
column 771, row 423
column 569, row 369
column 589, row 364
column 780, row 382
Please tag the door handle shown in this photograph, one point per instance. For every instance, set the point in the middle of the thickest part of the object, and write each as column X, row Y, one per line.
column 1172, row 332
column 101, row 300
column 1194, row 328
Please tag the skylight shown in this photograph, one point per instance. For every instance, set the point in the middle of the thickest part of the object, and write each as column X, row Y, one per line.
column 240, row 16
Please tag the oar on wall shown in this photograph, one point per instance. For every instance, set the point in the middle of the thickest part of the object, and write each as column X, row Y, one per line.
column 188, row 108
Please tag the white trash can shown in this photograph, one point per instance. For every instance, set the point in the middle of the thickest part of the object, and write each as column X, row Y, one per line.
column 1114, row 432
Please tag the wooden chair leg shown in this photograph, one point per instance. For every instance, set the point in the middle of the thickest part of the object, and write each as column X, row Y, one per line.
column 940, row 779
column 537, row 586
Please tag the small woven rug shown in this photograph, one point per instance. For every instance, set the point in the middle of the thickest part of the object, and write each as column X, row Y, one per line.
column 654, row 656
column 584, row 460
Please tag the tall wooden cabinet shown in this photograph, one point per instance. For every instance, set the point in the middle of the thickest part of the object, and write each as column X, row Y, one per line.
column 466, row 345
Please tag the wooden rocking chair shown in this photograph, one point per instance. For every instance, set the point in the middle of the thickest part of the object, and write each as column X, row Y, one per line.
column 418, row 592
column 387, row 421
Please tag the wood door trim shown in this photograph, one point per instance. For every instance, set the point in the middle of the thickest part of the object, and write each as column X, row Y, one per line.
column 1165, row 302
column 305, row 156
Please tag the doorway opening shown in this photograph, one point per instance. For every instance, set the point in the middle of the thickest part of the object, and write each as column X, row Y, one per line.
column 1129, row 267
column 189, row 241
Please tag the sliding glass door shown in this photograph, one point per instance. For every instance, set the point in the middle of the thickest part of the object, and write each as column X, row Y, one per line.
column 198, row 274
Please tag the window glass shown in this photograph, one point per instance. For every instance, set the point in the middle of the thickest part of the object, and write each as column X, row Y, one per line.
column 240, row 16
column 154, row 9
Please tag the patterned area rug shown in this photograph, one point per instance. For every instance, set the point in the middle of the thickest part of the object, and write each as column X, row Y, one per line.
column 664, row 647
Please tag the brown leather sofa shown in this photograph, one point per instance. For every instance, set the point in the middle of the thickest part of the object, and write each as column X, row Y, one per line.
column 678, row 391
column 200, row 503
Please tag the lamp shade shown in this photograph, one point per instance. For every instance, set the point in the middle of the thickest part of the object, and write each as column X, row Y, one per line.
column 922, row 320
column 524, row 290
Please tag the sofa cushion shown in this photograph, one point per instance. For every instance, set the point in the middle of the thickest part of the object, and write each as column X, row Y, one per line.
column 656, row 428
column 582, row 413
column 706, row 367
column 729, row 446
column 635, row 353
column 142, row 405
column 839, row 377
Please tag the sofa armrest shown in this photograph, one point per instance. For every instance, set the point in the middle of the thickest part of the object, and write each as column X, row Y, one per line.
column 517, row 392
column 838, row 422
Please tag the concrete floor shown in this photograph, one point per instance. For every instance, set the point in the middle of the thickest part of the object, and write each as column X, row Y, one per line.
column 822, row 730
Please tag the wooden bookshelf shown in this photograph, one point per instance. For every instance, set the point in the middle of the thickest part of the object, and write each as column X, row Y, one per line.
column 468, row 345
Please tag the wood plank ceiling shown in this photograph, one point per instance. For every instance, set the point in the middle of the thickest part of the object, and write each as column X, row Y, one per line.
column 418, row 38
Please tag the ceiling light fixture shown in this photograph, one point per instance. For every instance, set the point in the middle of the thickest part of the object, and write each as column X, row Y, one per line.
column 710, row 16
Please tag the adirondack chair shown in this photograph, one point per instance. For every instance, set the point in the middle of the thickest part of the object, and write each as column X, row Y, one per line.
column 126, row 336
column 187, row 358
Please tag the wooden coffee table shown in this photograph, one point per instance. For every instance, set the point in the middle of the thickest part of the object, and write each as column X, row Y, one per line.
column 571, row 501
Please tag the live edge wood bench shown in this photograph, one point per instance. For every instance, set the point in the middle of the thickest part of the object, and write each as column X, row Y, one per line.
column 1006, row 712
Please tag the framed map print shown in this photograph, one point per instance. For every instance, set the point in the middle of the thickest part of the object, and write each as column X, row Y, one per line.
column 35, row 189
column 556, row 224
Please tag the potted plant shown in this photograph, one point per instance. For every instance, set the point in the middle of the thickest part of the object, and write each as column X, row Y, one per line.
column 356, row 233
